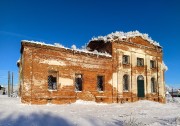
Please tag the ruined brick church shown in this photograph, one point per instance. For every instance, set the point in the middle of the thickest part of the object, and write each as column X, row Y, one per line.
column 120, row 67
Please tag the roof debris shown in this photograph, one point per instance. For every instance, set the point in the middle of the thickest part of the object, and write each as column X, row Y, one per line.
column 124, row 35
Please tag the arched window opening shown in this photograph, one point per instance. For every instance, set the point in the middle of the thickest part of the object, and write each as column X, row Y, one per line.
column 125, row 82
column 140, row 77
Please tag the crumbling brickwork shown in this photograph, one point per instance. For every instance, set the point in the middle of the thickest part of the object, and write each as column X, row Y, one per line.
column 109, row 79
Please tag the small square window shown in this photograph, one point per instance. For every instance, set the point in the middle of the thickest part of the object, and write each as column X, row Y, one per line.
column 100, row 83
column 140, row 62
column 125, row 59
column 52, row 80
column 152, row 64
column 78, row 82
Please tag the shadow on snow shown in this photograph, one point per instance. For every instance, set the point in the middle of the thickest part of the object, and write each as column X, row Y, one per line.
column 34, row 119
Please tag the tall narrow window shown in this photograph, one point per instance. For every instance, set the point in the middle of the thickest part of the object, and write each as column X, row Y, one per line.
column 152, row 64
column 125, row 82
column 100, row 83
column 140, row 62
column 153, row 85
column 78, row 82
column 125, row 59
column 52, row 80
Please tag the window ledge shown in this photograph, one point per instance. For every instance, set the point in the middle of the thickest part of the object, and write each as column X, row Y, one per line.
column 153, row 68
column 154, row 92
column 101, row 91
column 126, row 63
column 140, row 66
column 125, row 91
column 78, row 91
column 52, row 90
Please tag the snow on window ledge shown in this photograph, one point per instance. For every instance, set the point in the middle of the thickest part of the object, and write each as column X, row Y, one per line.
column 101, row 91
column 125, row 91
column 51, row 90
column 78, row 91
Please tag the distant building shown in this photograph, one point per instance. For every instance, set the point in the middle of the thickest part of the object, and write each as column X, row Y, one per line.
column 120, row 67
column 175, row 93
column 2, row 90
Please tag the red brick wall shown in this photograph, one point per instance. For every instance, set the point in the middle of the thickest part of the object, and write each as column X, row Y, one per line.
column 37, row 60
column 67, row 63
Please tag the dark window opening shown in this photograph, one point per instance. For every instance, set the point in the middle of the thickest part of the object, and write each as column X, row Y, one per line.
column 78, row 82
column 153, row 85
column 125, row 59
column 140, row 62
column 100, row 83
column 126, row 82
column 152, row 64
column 52, row 80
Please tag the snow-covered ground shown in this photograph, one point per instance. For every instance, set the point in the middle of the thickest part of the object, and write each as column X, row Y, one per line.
column 14, row 113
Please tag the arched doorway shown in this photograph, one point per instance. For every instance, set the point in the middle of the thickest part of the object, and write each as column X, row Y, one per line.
column 140, row 86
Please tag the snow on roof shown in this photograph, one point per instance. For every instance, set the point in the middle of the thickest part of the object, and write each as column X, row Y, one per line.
column 125, row 35
column 73, row 48
column 164, row 66
column 18, row 61
column 43, row 43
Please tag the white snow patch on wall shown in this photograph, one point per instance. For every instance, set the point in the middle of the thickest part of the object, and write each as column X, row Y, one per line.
column 27, row 87
column 90, row 66
column 38, row 82
column 79, row 62
column 73, row 59
column 65, row 81
column 53, row 62
column 114, row 80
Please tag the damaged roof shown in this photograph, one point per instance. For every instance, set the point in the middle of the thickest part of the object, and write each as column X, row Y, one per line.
column 122, row 36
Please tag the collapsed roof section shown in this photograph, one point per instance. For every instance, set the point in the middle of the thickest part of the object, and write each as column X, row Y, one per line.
column 124, row 36
column 100, row 46
column 103, row 43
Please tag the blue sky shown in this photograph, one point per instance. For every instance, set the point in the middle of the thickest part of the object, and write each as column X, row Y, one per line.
column 77, row 21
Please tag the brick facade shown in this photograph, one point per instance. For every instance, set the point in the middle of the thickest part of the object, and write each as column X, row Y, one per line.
column 39, row 61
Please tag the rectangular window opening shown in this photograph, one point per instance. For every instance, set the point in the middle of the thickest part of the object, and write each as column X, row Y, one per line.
column 140, row 62
column 52, row 80
column 152, row 64
column 153, row 86
column 100, row 83
column 78, row 82
column 125, row 59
